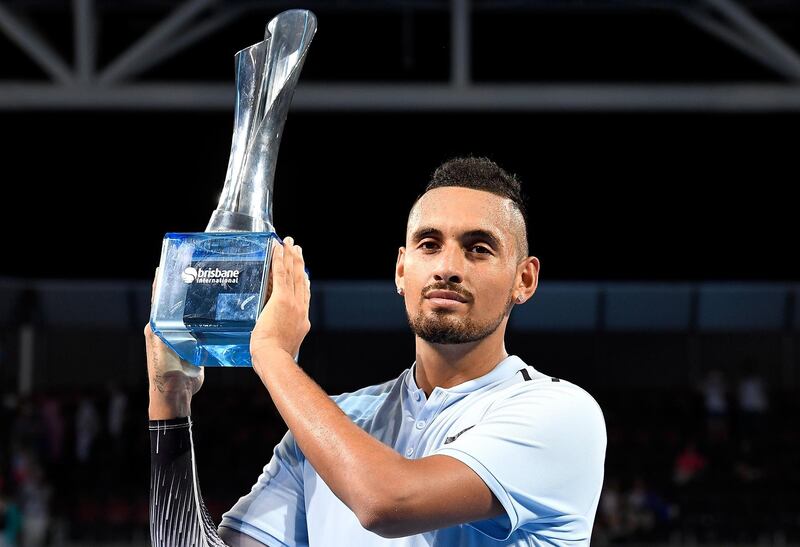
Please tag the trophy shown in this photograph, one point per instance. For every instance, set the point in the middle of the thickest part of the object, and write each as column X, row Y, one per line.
column 212, row 285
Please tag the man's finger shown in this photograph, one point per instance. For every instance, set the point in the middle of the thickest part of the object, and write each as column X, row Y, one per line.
column 299, row 274
column 289, row 264
column 278, row 271
column 305, row 282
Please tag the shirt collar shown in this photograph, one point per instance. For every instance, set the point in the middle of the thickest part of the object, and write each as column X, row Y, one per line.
column 502, row 371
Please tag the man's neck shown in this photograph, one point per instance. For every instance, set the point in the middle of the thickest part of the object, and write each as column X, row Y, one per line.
column 448, row 365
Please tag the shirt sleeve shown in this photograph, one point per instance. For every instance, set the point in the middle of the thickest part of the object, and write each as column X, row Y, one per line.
column 541, row 451
column 273, row 512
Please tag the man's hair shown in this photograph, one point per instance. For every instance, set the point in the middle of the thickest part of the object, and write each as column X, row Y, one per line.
column 482, row 174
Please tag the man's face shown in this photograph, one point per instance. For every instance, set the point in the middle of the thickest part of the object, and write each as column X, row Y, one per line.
column 462, row 241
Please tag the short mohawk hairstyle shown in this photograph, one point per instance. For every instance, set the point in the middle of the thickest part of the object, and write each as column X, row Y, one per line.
column 480, row 173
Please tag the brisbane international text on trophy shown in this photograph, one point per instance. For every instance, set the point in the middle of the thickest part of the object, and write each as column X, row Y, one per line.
column 212, row 285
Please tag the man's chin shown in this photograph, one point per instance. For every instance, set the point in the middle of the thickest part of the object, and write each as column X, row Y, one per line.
column 447, row 338
column 436, row 331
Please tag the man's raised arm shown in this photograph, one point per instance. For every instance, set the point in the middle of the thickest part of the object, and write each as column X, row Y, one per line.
column 178, row 516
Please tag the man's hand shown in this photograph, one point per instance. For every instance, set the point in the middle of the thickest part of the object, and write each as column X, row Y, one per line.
column 283, row 323
column 173, row 381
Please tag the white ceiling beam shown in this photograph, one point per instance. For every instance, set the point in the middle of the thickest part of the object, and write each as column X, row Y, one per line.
column 319, row 97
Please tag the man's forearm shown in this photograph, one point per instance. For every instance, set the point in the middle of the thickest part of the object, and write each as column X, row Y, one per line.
column 166, row 405
column 362, row 471
column 178, row 516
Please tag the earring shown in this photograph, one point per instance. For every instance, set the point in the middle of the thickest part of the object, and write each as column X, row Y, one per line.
column 399, row 290
column 520, row 300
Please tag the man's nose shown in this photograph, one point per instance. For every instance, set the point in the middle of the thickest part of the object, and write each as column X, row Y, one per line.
column 449, row 265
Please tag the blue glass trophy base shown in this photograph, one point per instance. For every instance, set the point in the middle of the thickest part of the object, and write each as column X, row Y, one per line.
column 211, row 287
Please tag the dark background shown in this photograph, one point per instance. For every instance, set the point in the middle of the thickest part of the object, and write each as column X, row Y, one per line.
column 671, row 196
column 614, row 195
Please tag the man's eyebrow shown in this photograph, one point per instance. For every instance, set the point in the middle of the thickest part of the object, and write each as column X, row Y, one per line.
column 427, row 231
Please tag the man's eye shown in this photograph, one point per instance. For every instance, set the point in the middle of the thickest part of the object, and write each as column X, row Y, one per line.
column 482, row 249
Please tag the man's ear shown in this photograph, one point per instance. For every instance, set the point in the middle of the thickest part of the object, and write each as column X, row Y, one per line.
column 400, row 267
column 528, row 279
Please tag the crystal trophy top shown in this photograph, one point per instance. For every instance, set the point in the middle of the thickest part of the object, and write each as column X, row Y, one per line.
column 212, row 285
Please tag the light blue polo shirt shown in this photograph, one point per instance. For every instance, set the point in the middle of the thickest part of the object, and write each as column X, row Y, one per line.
column 538, row 443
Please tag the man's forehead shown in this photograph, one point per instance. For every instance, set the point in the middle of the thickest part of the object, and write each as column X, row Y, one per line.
column 462, row 209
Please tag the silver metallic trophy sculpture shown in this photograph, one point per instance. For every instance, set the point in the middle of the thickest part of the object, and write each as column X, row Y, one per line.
column 266, row 76
column 212, row 285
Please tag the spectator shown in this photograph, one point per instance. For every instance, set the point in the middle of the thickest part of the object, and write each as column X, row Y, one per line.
column 53, row 423
column 22, row 461
column 611, row 510
column 753, row 402
column 715, row 393
column 35, row 501
column 10, row 521
column 27, row 429
column 746, row 467
column 688, row 464
column 117, row 414
column 640, row 517
column 87, row 425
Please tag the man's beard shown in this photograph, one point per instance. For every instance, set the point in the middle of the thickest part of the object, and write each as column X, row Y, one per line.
column 445, row 327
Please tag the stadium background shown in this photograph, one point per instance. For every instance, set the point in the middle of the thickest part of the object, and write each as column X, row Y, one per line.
column 656, row 141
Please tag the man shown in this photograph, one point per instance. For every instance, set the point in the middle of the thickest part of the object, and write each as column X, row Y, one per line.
column 469, row 446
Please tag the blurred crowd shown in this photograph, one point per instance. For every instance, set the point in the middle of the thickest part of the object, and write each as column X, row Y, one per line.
column 709, row 464
column 64, row 466
column 717, row 464
column 75, row 466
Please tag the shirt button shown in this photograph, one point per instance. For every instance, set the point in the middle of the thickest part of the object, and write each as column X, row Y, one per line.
column 409, row 451
column 420, row 424
column 417, row 396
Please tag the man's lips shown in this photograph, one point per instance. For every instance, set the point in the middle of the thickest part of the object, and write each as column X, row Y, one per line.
column 445, row 295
